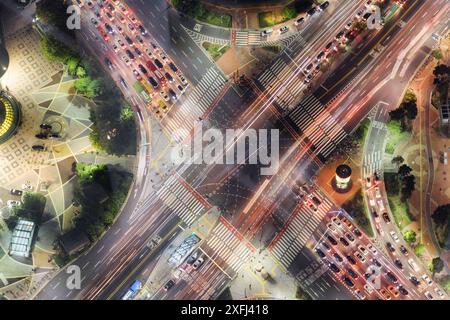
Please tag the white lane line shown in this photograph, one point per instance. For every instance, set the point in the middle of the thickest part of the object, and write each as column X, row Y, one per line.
column 190, row 49
column 199, row 60
column 87, row 263
column 99, row 250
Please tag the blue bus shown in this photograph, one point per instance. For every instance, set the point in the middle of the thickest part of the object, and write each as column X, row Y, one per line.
column 134, row 289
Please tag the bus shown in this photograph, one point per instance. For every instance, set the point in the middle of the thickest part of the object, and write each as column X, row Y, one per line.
column 132, row 292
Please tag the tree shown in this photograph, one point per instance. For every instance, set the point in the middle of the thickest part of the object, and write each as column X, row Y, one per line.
column 397, row 114
column 441, row 70
column 441, row 215
column 437, row 54
column 408, row 186
column 289, row 12
column 32, row 207
column 410, row 109
column 398, row 160
column 72, row 65
column 410, row 236
column 436, row 265
column 81, row 72
column 126, row 113
column 404, row 170
column 52, row 12
column 419, row 249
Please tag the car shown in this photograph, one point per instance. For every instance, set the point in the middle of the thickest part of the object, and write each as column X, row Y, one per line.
column 180, row 88
column 308, row 79
column 16, row 192
column 126, row 60
column 344, row 241
column 380, row 204
column 320, row 253
column 42, row 136
column 403, row 250
column 169, row 77
column 142, row 69
column 169, row 284
column 121, row 18
column 350, row 237
column 142, row 30
column 394, row 236
column 283, row 29
column 123, row 82
column 363, row 250
column 79, row 3
column 336, row 221
column 266, row 32
column 164, row 96
column 385, row 294
column 440, row 293
column 332, row 240
column 402, row 290
column 413, row 264
column 360, row 256
column 299, row 21
column 413, row 279
column 149, row 52
column 367, row 275
column 130, row 54
column 133, row 19
column 427, row 279
column 359, row 294
column 137, row 75
column 386, row 218
column 123, row 9
column 352, row 273
column 120, row 29
column 320, row 56
column 198, row 263
column 349, row 25
column 357, row 233
column 307, row 70
column 348, row 281
column 163, row 57
column 392, row 290
column 158, row 64
column 332, row 227
column 390, row 247
column 94, row 22
column 173, row 95
column 368, row 3
column 37, row 147
column 376, row 262
column 131, row 28
column 339, row 35
column 429, row 295
column 334, row 268
column 311, row 12
column 368, row 288
column 153, row 82
column 139, row 40
column 13, row 203
column 347, row 223
column 110, row 7
column 192, row 258
column 115, row 48
column 372, row 249
column 129, row 41
column 138, row 52
column 45, row 126
column 398, row 264
column 351, row 259
column 391, row 276
column 121, row 43
column 326, row 246
column 337, row 257
column 323, row 5
column 377, row 193
column 360, row 13
column 110, row 16
column 108, row 28
column 173, row 67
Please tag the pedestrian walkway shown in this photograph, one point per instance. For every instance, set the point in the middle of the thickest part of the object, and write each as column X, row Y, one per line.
column 227, row 247
column 182, row 117
column 200, row 38
column 298, row 230
column 372, row 163
column 178, row 198
column 320, row 127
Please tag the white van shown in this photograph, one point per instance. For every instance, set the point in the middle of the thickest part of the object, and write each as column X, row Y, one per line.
column 266, row 32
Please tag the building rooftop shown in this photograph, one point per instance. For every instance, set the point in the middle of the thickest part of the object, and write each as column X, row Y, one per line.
column 22, row 238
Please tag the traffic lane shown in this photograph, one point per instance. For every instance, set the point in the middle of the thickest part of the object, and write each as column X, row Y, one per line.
column 134, row 270
column 165, row 26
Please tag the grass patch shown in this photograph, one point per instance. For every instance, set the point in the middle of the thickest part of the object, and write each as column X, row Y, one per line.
column 269, row 19
column 391, row 183
column 215, row 50
column 357, row 210
column 400, row 211
column 216, row 18
column 395, row 136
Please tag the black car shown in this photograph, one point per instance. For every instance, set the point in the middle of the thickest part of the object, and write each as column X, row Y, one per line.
column 168, row 77
column 334, row 268
column 316, row 201
column 338, row 257
column 367, row 275
column 169, row 284
column 130, row 54
column 108, row 28
column 326, row 246
column 391, row 277
column 158, row 63
column 357, row 233
column 398, row 263
column 402, row 290
column 329, row 45
column 403, row 250
column 351, row 260
column 375, row 214
column 320, row 253
column 173, row 67
column 352, row 273
column 142, row 68
column 45, row 126
column 324, row 5
column 41, row 136
column 376, row 262
column 109, row 64
column 386, row 217
column 16, row 192
column 414, row 281
column 191, row 259
column 311, row 11
column 332, row 240
column 37, row 147
column 343, row 241
column 172, row 94
column 142, row 30
column 153, row 82
column 128, row 40
column 154, row 46
column 138, row 52
column 350, row 237
column 347, row 281
column 390, row 247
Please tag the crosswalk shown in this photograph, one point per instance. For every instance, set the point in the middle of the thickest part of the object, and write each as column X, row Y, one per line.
column 180, row 200
column 248, row 38
column 299, row 230
column 372, row 163
column 227, row 248
column 318, row 125
column 182, row 117
column 199, row 38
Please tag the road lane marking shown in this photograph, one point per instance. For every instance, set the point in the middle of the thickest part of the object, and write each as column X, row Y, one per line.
column 86, row 264
column 99, row 250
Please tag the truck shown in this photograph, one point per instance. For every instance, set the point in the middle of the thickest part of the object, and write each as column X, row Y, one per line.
column 133, row 290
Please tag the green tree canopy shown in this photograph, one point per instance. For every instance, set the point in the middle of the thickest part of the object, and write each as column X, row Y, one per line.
column 289, row 12
column 404, row 170
column 410, row 236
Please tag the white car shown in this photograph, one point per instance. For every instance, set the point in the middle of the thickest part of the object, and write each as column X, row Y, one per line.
column 372, row 202
column 121, row 43
column 372, row 248
column 149, row 52
column 283, row 29
column 336, row 222
column 126, row 60
column 115, row 48
column 440, row 293
column 377, row 192
column 332, row 227
column 413, row 265
column 197, row 264
column 429, row 295
column 363, row 250
column 427, row 279
column 183, row 81
column 360, row 256
column 381, row 205
column 164, row 95
column 368, row 288
column 13, row 203
column 394, row 236
column 359, row 294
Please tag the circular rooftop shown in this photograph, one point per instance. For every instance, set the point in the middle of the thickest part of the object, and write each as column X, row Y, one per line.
column 9, row 116
column 343, row 171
